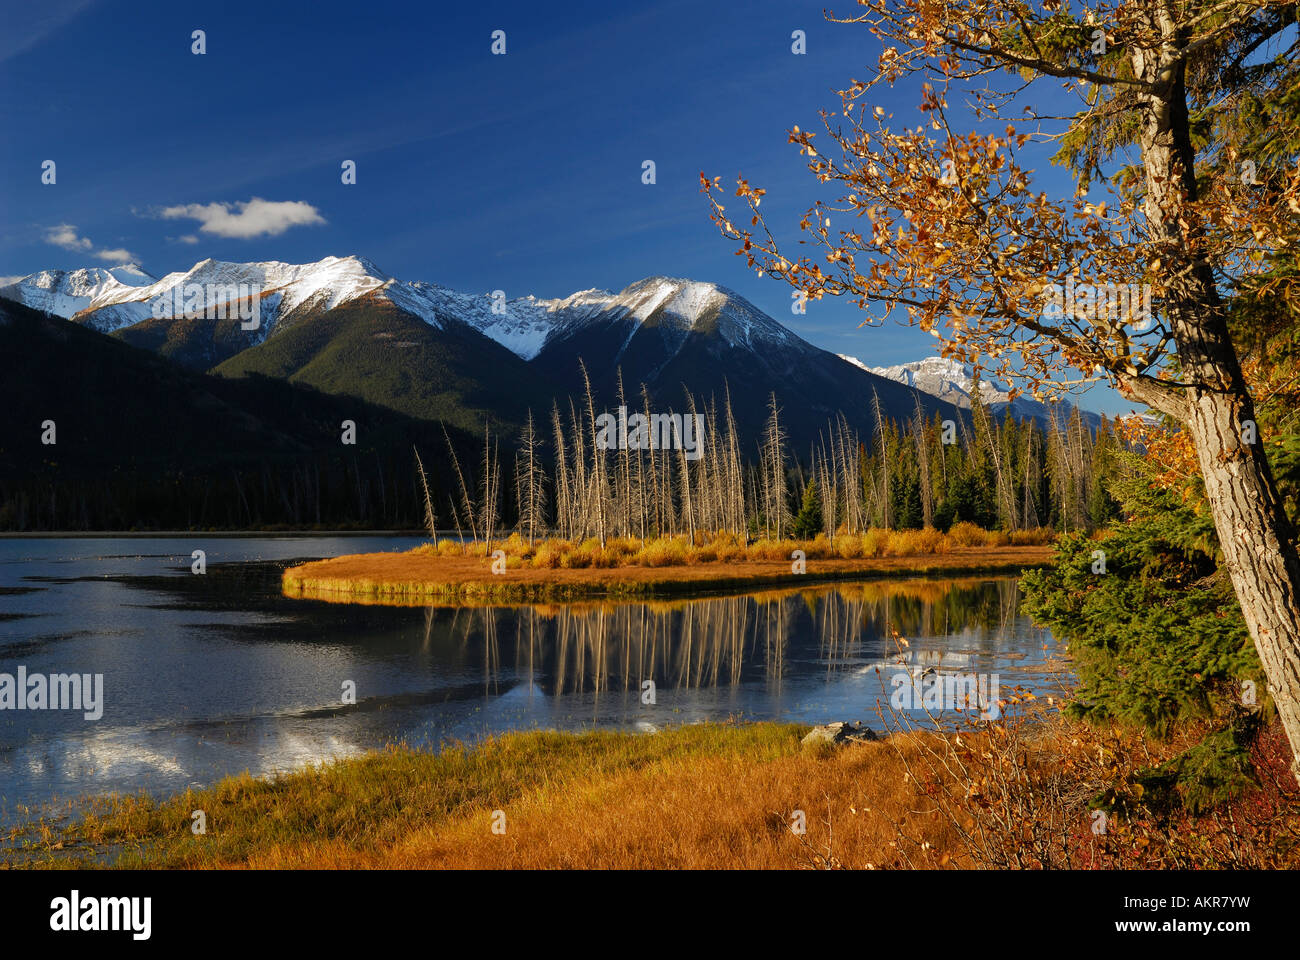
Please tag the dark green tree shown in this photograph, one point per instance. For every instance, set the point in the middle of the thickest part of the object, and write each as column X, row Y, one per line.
column 808, row 522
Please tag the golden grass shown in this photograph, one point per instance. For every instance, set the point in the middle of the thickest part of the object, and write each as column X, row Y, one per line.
column 708, row 796
column 626, row 568
column 681, row 550
column 696, row 796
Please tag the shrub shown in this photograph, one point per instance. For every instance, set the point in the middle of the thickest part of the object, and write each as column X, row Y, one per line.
column 704, row 554
column 663, row 553
column 1040, row 535
column 547, row 557
column 768, row 550
column 966, row 534
column 874, row 542
column 575, row 559
column 819, row 549
column 732, row 553
column 849, row 546
column 931, row 540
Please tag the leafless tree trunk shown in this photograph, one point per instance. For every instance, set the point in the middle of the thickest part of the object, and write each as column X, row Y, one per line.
column 429, row 520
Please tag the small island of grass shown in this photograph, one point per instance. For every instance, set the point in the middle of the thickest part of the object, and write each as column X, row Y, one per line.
column 515, row 571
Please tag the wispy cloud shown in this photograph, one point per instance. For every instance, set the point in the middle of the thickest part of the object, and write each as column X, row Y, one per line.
column 37, row 23
column 65, row 235
column 244, row 220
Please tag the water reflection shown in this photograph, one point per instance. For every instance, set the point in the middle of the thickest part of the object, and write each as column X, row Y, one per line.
column 822, row 633
column 211, row 675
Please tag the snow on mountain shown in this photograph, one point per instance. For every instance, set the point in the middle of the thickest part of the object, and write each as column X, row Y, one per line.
column 673, row 308
column 281, row 288
column 132, row 274
column 952, row 381
column 109, row 300
column 524, row 325
column 939, row 377
column 520, row 325
column 66, row 292
column 686, row 305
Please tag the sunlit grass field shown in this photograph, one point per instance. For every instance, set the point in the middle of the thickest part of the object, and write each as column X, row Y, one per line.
column 1020, row 795
column 682, row 550
column 513, row 570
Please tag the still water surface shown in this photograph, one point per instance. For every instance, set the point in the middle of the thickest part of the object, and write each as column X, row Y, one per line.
column 210, row 675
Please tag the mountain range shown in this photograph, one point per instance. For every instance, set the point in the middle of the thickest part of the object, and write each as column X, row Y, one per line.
column 344, row 326
column 954, row 382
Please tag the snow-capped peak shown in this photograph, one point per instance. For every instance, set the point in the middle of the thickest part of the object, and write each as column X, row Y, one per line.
column 677, row 306
column 109, row 300
column 952, row 381
column 942, row 377
column 132, row 274
column 686, row 300
column 66, row 292
column 525, row 324
column 117, row 298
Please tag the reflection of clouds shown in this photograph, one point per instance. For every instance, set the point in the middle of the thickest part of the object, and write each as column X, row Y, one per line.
column 113, row 754
column 294, row 752
column 126, row 757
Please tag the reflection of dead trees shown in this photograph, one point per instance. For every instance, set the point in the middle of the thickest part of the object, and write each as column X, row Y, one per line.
column 839, row 620
column 700, row 644
column 491, row 652
column 1008, row 606
column 708, row 643
column 775, row 619
column 429, row 613
column 735, row 640
column 695, row 645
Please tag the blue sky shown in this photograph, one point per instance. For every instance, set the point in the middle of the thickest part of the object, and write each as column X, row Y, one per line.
column 519, row 172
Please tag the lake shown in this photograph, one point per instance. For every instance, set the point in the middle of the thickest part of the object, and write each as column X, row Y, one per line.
column 214, row 674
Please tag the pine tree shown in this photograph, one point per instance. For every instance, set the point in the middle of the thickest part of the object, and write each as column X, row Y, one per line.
column 808, row 522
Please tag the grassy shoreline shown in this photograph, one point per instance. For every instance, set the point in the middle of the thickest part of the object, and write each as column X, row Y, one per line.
column 429, row 577
column 1015, row 795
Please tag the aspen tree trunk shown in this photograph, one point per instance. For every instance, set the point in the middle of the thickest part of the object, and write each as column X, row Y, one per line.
column 1257, row 538
column 1258, row 542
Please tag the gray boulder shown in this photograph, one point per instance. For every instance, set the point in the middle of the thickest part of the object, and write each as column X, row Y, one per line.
column 840, row 732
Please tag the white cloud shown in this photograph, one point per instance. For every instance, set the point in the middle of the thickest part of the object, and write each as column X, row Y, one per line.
column 245, row 220
column 65, row 235
column 5, row 281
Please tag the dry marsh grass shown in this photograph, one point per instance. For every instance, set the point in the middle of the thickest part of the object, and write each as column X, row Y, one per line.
column 699, row 796
column 552, row 570
column 711, row 796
